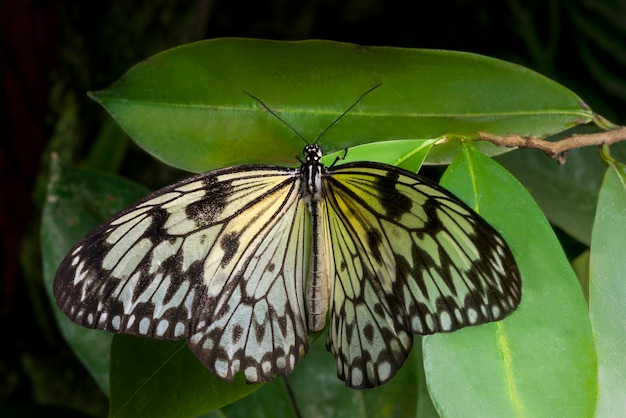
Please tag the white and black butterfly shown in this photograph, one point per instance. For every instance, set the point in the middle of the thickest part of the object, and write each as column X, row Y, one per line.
column 245, row 261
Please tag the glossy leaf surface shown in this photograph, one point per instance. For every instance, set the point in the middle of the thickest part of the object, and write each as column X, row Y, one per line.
column 186, row 105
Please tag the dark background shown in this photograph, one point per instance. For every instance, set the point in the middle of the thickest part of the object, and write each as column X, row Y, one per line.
column 53, row 52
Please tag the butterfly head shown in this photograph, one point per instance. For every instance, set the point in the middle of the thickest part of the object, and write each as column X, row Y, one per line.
column 312, row 154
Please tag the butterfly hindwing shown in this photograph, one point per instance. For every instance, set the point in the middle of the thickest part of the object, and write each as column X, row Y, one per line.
column 427, row 263
column 214, row 258
column 365, row 334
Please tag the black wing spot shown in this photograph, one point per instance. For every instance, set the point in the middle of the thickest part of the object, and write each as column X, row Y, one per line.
column 374, row 240
column 205, row 210
column 395, row 203
column 368, row 332
column 237, row 333
column 259, row 332
column 230, row 245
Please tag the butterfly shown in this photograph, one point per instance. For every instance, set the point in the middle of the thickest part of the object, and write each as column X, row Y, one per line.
column 246, row 262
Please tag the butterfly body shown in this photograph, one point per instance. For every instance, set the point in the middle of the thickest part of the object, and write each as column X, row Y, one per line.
column 245, row 261
column 321, row 262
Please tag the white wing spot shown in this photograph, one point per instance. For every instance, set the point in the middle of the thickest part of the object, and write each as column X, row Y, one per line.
column 189, row 303
column 280, row 362
column 208, row 344
column 179, row 330
column 417, row 325
column 251, row 374
column 357, row 377
column 221, row 368
column 472, row 315
column 458, row 314
column 497, row 265
column 511, row 301
column 116, row 322
column 384, row 370
column 234, row 366
column 80, row 275
column 162, row 327
column 428, row 318
column 144, row 325
column 267, row 367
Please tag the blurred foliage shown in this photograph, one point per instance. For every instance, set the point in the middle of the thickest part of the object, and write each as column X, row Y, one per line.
column 578, row 43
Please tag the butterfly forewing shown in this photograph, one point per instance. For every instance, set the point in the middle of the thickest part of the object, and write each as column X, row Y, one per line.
column 179, row 262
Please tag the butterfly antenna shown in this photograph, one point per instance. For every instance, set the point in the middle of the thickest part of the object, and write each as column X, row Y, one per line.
column 356, row 102
column 328, row 127
column 276, row 116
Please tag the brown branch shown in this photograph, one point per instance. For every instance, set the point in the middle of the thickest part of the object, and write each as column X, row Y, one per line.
column 557, row 149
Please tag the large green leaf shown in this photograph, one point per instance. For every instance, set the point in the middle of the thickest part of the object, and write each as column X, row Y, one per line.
column 540, row 361
column 607, row 292
column 76, row 202
column 186, row 105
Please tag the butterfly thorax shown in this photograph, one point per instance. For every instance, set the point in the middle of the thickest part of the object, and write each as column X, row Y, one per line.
column 311, row 173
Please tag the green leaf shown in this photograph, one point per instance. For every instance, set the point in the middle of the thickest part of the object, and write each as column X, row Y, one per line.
column 186, row 105
column 408, row 154
column 76, row 202
column 159, row 378
column 540, row 361
column 607, row 292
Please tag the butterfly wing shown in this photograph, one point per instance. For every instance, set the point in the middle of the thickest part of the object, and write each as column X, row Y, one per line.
column 365, row 333
column 211, row 259
column 410, row 257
